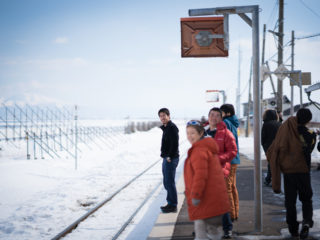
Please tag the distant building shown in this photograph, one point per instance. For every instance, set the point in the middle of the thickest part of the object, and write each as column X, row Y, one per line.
column 271, row 103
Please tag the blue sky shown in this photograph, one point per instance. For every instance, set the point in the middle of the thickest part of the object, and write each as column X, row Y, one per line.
column 122, row 58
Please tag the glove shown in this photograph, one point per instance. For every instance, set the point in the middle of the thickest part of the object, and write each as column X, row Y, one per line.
column 195, row 202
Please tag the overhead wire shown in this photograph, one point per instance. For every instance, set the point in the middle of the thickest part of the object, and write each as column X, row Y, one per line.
column 310, row 9
column 246, row 86
column 284, row 46
column 309, row 36
column 273, row 11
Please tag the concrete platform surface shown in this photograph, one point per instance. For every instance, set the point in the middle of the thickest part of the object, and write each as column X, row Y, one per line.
column 178, row 226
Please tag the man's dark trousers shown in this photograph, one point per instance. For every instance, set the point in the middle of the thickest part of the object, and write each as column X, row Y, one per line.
column 294, row 184
column 169, row 173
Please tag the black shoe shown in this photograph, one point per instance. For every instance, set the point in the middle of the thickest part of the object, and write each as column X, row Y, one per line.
column 227, row 235
column 267, row 183
column 169, row 209
column 234, row 219
column 163, row 207
column 304, row 233
column 295, row 235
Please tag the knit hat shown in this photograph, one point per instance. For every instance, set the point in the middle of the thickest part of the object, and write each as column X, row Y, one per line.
column 304, row 116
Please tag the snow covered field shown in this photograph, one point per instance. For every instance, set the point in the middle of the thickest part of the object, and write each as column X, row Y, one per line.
column 39, row 198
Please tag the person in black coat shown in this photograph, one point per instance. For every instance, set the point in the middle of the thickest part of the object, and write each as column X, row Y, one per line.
column 170, row 156
column 269, row 130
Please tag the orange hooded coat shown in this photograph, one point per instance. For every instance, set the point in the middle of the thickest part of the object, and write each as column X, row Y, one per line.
column 204, row 180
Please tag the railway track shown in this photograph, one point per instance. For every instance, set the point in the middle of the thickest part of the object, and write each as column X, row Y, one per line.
column 142, row 177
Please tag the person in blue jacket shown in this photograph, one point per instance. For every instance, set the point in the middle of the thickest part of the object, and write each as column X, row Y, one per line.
column 232, row 123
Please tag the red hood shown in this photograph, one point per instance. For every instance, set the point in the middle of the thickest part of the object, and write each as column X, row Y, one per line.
column 208, row 143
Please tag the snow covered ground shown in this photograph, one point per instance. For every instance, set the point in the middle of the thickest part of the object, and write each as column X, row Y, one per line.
column 39, row 198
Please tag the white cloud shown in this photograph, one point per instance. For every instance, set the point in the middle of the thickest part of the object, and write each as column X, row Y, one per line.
column 61, row 40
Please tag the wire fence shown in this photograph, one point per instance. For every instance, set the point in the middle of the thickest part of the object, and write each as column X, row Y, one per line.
column 52, row 132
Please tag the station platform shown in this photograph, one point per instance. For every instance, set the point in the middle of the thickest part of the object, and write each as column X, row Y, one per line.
column 178, row 226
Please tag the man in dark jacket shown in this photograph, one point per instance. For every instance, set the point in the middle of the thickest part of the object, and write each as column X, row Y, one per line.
column 170, row 155
column 269, row 130
column 290, row 153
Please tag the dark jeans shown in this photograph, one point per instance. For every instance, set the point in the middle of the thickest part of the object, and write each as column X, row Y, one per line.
column 226, row 222
column 294, row 184
column 169, row 173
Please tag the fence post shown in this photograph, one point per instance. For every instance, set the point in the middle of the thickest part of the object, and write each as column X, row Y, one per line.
column 34, row 146
column 14, row 124
column 27, row 138
column 41, row 145
column 20, row 132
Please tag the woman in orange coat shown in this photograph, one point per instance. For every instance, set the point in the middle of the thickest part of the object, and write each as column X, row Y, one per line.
column 206, row 191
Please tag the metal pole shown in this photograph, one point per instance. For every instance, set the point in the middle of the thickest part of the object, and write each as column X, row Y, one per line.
column 256, row 94
column 292, row 68
column 223, row 96
column 257, row 120
column 26, row 129
column 280, row 55
column 20, row 132
column 262, row 58
column 41, row 147
column 249, row 100
column 27, row 138
column 34, row 146
column 14, row 124
column 238, row 89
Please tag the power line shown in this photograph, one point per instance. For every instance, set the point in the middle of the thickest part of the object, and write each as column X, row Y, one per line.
column 283, row 47
column 309, row 36
column 273, row 11
column 310, row 9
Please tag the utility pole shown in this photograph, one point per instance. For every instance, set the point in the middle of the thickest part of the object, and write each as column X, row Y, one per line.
column 238, row 89
column 292, row 68
column 262, row 57
column 224, row 97
column 280, row 54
